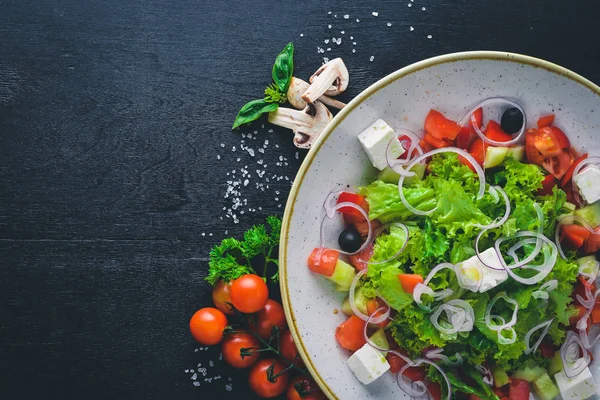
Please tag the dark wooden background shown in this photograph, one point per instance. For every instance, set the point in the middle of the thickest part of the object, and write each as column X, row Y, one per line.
column 112, row 115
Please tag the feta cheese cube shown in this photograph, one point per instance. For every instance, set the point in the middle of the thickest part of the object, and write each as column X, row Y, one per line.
column 579, row 387
column 470, row 271
column 368, row 364
column 588, row 183
column 375, row 141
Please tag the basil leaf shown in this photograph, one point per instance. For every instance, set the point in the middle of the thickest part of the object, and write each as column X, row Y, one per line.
column 252, row 111
column 283, row 69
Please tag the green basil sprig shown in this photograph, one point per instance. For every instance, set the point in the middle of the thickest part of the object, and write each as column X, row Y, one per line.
column 275, row 94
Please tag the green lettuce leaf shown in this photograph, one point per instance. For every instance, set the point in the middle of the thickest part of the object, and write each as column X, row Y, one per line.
column 385, row 205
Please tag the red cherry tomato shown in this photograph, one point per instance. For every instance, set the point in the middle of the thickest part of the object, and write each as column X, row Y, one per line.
column 259, row 380
column 288, row 349
column 221, row 296
column 207, row 325
column 270, row 316
column 233, row 345
column 249, row 293
column 303, row 388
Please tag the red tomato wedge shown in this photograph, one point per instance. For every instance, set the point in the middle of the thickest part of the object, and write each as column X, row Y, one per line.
column 349, row 197
column 396, row 364
column 592, row 244
column 545, row 120
column 561, row 138
column 547, row 185
column 569, row 174
column 494, row 131
column 360, row 260
column 519, row 390
column 435, row 390
column 580, row 311
column 560, row 164
column 574, row 236
column 350, row 334
column 478, row 150
column 425, row 146
column 322, row 261
column 547, row 349
column 441, row 127
column 435, row 142
column 409, row 281
column 372, row 306
column 533, row 154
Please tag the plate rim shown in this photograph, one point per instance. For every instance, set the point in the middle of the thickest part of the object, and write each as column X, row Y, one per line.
column 359, row 99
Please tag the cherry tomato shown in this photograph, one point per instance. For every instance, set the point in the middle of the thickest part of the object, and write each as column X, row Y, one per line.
column 303, row 388
column 207, row 325
column 249, row 293
column 232, row 346
column 261, row 385
column 221, row 296
column 288, row 349
column 269, row 317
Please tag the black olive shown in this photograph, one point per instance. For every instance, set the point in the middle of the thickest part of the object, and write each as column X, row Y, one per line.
column 512, row 120
column 350, row 240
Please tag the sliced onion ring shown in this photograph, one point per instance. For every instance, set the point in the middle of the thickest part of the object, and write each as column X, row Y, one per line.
column 470, row 116
column 330, row 214
column 488, row 378
column 356, row 311
column 414, row 145
column 438, row 354
column 383, row 228
column 570, row 351
column 459, row 314
column 421, row 387
column 544, row 326
column 458, row 151
column 488, row 312
column 422, row 288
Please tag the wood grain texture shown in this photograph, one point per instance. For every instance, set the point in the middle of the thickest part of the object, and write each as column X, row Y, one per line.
column 112, row 115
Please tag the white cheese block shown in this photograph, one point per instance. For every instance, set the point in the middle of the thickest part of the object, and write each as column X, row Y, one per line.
column 368, row 364
column 579, row 387
column 375, row 141
column 588, row 183
column 471, row 270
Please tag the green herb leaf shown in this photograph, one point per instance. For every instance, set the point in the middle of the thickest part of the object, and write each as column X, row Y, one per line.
column 273, row 95
column 283, row 68
column 252, row 111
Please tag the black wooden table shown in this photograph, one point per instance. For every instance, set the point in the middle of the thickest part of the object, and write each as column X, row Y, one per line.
column 116, row 152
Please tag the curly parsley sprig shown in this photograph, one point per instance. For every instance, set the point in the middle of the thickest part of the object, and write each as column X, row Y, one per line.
column 234, row 258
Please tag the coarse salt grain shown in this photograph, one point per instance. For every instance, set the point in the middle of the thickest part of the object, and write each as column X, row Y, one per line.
column 329, row 26
column 354, row 50
column 372, row 58
column 325, row 60
column 409, row 4
column 351, row 37
column 196, row 383
column 423, row 8
column 357, row 20
column 375, row 13
column 429, row 36
column 218, row 157
column 302, row 35
column 343, row 32
column 346, row 16
column 389, row 24
column 326, row 41
column 228, row 387
column 412, row 29
column 222, row 144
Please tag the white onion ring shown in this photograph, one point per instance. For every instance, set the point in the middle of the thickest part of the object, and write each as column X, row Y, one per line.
column 516, row 137
column 330, row 213
column 545, row 289
column 587, row 161
column 422, row 288
column 459, row 314
column 437, row 354
column 568, row 220
column 356, row 311
column 422, row 388
column 458, row 151
column 414, row 145
column 544, row 326
column 505, row 326
column 550, row 255
column 488, row 378
column 498, row 222
column 569, row 353
column 380, row 230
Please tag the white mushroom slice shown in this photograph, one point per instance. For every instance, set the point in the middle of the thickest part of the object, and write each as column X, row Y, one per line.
column 297, row 89
column 307, row 124
column 331, row 79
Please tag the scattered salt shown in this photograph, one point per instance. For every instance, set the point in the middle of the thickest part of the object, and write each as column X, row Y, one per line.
column 329, row 13
column 329, row 26
column 389, row 24
column 346, row 16
column 372, row 58
column 429, row 36
column 354, row 50
column 195, row 376
column 228, row 387
column 302, row 35
column 412, row 29
column 357, row 20
column 351, row 37
column 218, row 156
column 423, row 8
column 222, row 144
column 196, row 383
column 375, row 13
column 343, row 32
column 409, row 4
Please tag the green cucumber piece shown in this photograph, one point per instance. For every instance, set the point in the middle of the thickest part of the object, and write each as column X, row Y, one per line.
column 590, row 213
column 494, row 156
column 342, row 276
column 545, row 388
column 556, row 364
column 529, row 374
column 379, row 339
column 587, row 265
column 516, row 152
column 346, row 309
column 500, row 376
column 569, row 206
column 360, row 301
column 388, row 175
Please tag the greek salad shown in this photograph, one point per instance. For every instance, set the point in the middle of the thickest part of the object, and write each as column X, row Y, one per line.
column 470, row 261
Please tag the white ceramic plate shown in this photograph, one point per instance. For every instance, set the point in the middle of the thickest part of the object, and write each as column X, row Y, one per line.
column 452, row 84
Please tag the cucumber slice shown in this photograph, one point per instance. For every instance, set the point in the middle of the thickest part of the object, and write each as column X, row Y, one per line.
column 529, row 374
column 346, row 309
column 545, row 388
column 556, row 364
column 587, row 265
column 500, row 376
column 388, row 175
column 516, row 152
column 379, row 339
column 342, row 276
column 494, row 156
column 569, row 206
column 419, row 171
column 590, row 213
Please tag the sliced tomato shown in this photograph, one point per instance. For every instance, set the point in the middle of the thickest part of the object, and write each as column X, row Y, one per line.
column 478, row 150
column 560, row 164
column 441, row 127
column 360, row 260
column 363, row 227
column 580, row 311
column 574, row 236
column 501, row 392
column 437, row 143
column 580, row 288
column 545, row 120
column 465, row 138
column 519, row 390
column 478, row 114
column 592, row 244
column 350, row 334
column 569, row 174
column 547, row 185
column 547, row 349
column 561, row 138
column 435, row 390
column 349, row 197
column 596, row 314
column 372, row 306
column 550, row 141
column 322, row 261
column 425, row 146
column 395, row 362
column 533, row 154
column 494, row 131
column 409, row 281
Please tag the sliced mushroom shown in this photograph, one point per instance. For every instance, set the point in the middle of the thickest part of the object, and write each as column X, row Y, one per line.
column 297, row 89
column 331, row 79
column 307, row 124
